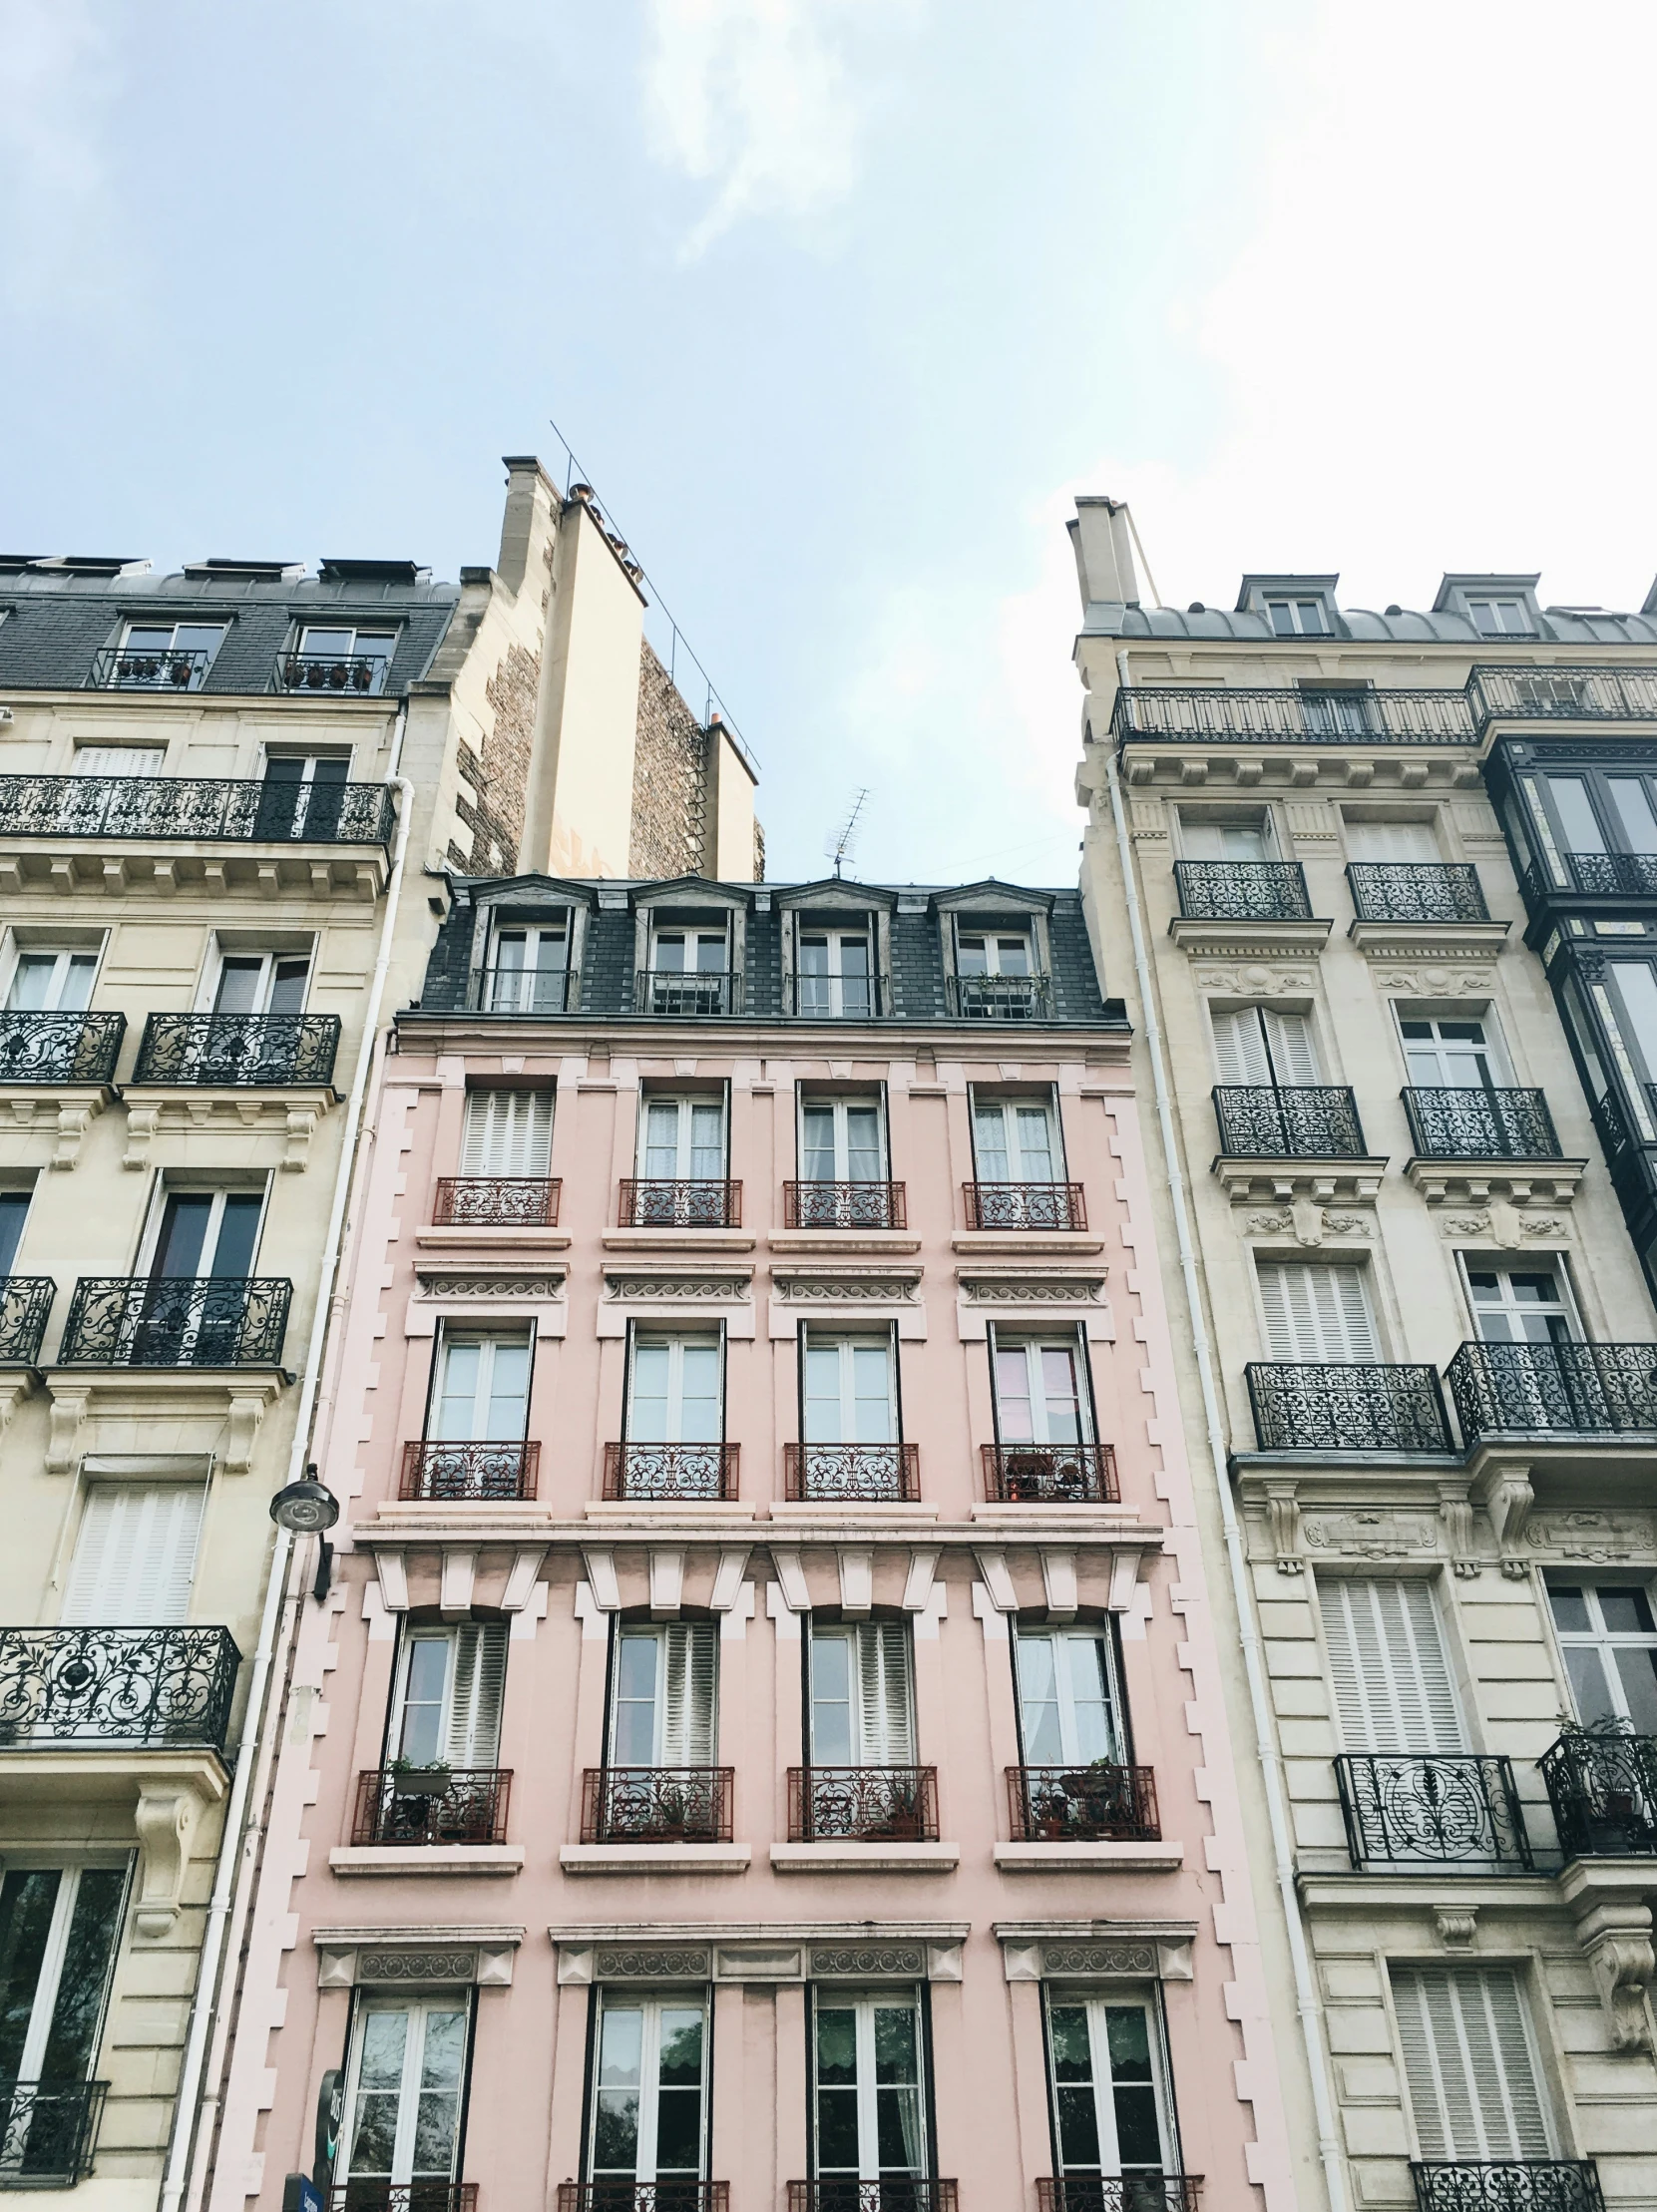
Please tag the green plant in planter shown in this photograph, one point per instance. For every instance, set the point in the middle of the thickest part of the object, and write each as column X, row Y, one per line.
column 411, row 1779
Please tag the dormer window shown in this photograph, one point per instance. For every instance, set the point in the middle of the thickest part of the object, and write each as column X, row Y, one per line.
column 834, row 973
column 689, row 969
column 996, row 976
column 1500, row 618
column 1297, row 617
column 160, row 656
column 337, row 657
column 529, row 968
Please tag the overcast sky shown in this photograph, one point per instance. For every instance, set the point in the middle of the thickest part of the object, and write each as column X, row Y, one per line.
column 841, row 302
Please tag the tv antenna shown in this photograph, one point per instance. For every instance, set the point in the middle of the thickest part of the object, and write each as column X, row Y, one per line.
column 843, row 844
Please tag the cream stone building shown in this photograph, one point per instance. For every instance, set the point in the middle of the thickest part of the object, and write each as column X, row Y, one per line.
column 1420, row 1342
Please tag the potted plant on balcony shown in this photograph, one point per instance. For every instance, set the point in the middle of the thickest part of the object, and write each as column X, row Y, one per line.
column 897, row 1820
column 412, row 1779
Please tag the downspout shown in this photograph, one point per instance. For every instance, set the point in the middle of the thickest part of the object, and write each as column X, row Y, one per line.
column 1306, row 1998
column 227, row 1887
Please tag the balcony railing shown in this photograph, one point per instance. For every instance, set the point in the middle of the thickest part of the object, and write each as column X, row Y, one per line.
column 88, row 1686
column 1024, row 1205
column 688, row 991
column 1242, row 891
column 1553, row 1388
column 1602, row 1785
column 1129, row 2192
column 1346, row 1406
column 1439, row 1808
column 863, row 1804
column 1627, row 875
column 432, row 1805
column 656, row 1805
column 177, row 1321
column 1097, row 1803
column 1417, row 891
column 844, row 1205
column 456, row 1472
column 366, row 2193
column 892, row 2193
column 882, row 1473
column 1506, row 2185
column 702, row 1470
column 694, row 1202
column 1050, row 1474
column 842, row 997
column 25, row 1302
column 619, row 2193
column 238, row 1049
column 354, row 674
column 1466, row 1122
column 48, row 2131
column 524, row 990
column 1616, row 694
column 1265, row 716
column 190, row 808
column 58, row 1047
column 1309, row 1120
column 497, row 1201
column 152, row 669
column 999, row 997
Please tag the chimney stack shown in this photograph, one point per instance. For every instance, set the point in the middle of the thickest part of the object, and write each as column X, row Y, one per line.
column 1103, row 550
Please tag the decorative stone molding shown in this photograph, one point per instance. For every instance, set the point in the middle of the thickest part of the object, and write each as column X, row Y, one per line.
column 1455, row 1926
column 1256, row 980
column 795, row 1288
column 64, row 1116
column 1031, row 1290
column 241, row 1431
column 685, row 1290
column 1252, row 940
column 541, row 1285
column 290, row 1116
column 843, row 1960
column 1369, row 1533
column 1617, row 1939
column 1155, row 1951
column 204, row 1412
column 782, row 1952
column 1472, row 1182
column 1502, row 1224
column 1307, row 1188
column 1593, row 1537
column 1507, row 1497
column 403, row 1958
column 1462, row 943
column 63, row 1421
column 14, row 1388
column 166, row 1818
column 1465, row 981
column 1283, row 1518
column 1456, row 1511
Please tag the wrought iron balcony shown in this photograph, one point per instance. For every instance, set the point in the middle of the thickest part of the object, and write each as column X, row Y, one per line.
column 1417, row 891
column 656, row 1805
column 1623, row 875
column 238, row 1049
column 892, row 2193
column 1242, row 891
column 688, row 991
column 190, row 808
column 844, row 1205
column 1602, row 1785
column 1095, row 1803
column 1506, row 2185
column 91, row 1686
column 682, row 1202
column 485, row 1472
column 1466, row 1121
column 368, row 2194
column 48, row 2131
column 1309, row 1120
column 497, row 1201
column 1604, row 693
column 1024, row 1205
column 150, row 668
column 177, row 1321
column 620, row 2193
column 25, row 1302
column 884, row 1473
column 1130, row 2193
column 842, row 997
column 671, row 1470
column 432, row 1805
column 524, row 990
column 1050, row 1474
column 863, row 1804
column 1438, row 1808
column 58, row 1047
column 1262, row 716
column 1346, row 1406
column 999, row 997
column 1553, row 1388
column 355, row 674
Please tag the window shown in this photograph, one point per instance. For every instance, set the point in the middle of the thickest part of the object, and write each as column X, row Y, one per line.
column 867, row 2096
column 446, row 1706
column 862, row 1704
column 1336, row 710
column 483, row 1387
column 682, row 1139
column 507, row 1133
column 1449, row 1055
column 1015, row 1142
column 303, row 794
column 135, row 1556
column 675, row 1393
column 995, row 974
column 1470, row 2064
column 46, row 979
column 1574, row 812
column 119, row 760
column 1393, row 1688
column 1297, row 617
column 261, row 983
column 1500, row 618
column 690, row 971
column 1110, row 2105
column 1258, row 1045
column 1067, row 1703
column 1039, row 1391
column 650, row 2100
column 842, row 1141
column 57, row 1931
column 1608, row 1635
column 14, row 1212
column 1317, row 1311
column 1520, row 1305
column 1637, row 819
column 338, row 658
column 834, row 973
column 1243, row 839
column 167, row 657
column 206, row 1233
column 529, row 971
column 981, row 955
column 1407, row 841
column 663, row 1695
column 851, row 1393
column 405, row 2087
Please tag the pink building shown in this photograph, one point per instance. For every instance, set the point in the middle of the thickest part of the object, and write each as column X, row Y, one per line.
column 766, row 1738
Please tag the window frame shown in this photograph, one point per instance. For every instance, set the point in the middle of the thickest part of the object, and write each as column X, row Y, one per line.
column 1294, row 605
column 840, row 1630
column 461, row 1999
column 637, row 1626
column 849, row 1335
column 536, row 929
column 676, row 1335
column 198, row 677
column 1009, row 1102
column 1034, row 1338
column 429, row 1628
column 167, row 1186
column 1366, row 1266
column 1106, row 1633
column 1260, row 819
column 450, row 1331
column 1603, row 1641
column 839, row 1103
column 824, row 1996
column 1101, row 1994
column 686, row 1101
column 1498, row 1060
column 1471, row 1258
column 72, row 1864
column 656, row 2000
column 837, row 934
column 220, row 954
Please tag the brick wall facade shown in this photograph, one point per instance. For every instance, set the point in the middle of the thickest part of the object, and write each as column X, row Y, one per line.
column 669, row 779
column 495, row 786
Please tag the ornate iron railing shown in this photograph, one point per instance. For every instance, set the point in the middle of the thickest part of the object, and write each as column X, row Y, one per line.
column 115, row 1686
column 177, row 1321
column 150, row 668
column 238, row 1049
column 58, row 1047
column 688, row 991
column 1242, row 891
column 1310, row 1120
column 1593, row 694
column 619, row 2193
column 1433, row 1808
column 656, row 1805
column 432, row 1805
column 687, row 1202
column 879, row 1471
column 892, row 2193
column 999, row 997
column 524, row 990
column 25, row 1303
column 1024, row 1205
column 1417, row 891
column 844, row 1205
column 368, row 2194
column 861, row 996
column 358, row 673
column 195, row 808
column 671, row 1470
column 1129, row 2192
column 1260, row 716
column 1506, row 2185
column 1346, row 1406
column 863, row 1804
column 1466, row 1122
column 1553, row 1388
column 1610, row 1120
column 1629, row 875
column 1050, row 1474
column 1095, row 1803
column 1602, row 1785
column 463, row 1471
column 48, row 2131
column 497, row 1201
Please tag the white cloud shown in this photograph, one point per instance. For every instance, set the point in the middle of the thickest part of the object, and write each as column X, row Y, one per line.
column 52, row 83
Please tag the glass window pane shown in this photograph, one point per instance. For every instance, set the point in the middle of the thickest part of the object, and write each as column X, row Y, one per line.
column 1638, row 1671
column 699, row 1413
column 1627, row 1611
column 509, row 1387
column 1590, row 1688
column 1058, row 1388
column 648, row 1407
column 895, row 2043
column 438, row 2112
column 1576, row 814
column 1039, row 1702
column 1637, row 989
column 1570, row 1609
column 817, row 1144
column 897, row 2130
column 678, row 2131
column 379, row 2082
column 1078, row 2128
column 93, row 1927
column 1013, row 1406
column 831, row 1714
column 863, row 1152
column 837, row 2131
column 1633, row 804
column 26, row 1902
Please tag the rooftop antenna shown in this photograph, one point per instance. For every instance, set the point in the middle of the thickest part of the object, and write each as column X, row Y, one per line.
column 844, row 843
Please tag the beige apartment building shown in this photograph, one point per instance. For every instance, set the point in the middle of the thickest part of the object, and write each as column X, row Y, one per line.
column 1422, row 1344
column 227, row 799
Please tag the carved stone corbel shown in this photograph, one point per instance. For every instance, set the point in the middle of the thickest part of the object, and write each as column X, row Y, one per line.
column 1456, row 1513
column 241, row 1433
column 1508, row 1501
column 1283, row 1515
column 142, row 1123
column 165, row 1820
column 1455, row 1926
column 62, row 1430
column 302, row 1127
column 73, row 1121
column 1617, row 1941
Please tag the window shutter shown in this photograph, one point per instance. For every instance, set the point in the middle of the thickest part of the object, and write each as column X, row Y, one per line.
column 883, row 1684
column 688, row 1722
column 1393, row 1686
column 117, row 759
column 507, row 1133
column 1411, row 842
column 1240, row 1048
column 1317, row 1311
column 1294, row 1057
column 480, row 1680
column 135, row 1557
column 1468, row 2063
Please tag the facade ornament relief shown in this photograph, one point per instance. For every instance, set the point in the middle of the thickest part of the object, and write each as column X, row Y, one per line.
column 1287, row 1529
column 638, row 1962
column 492, row 1286
column 1455, row 1926
column 1617, row 1939
column 1369, row 1532
column 1594, row 1536
column 859, row 1958
column 886, row 1290
column 1456, row 1511
column 1508, row 1502
column 623, row 1290
column 166, row 1817
column 1030, row 1290
column 1256, row 980
column 1461, row 983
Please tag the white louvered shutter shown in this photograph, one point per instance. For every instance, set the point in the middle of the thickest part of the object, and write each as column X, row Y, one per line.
column 475, row 1707
column 883, row 1693
column 507, row 1133
column 689, row 1658
column 1393, row 1686
column 1294, row 1057
column 118, row 759
column 1468, row 2062
column 1411, row 842
column 135, row 1557
column 1240, row 1046
column 1317, row 1311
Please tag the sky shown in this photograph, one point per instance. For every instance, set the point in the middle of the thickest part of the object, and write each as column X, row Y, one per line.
column 840, row 304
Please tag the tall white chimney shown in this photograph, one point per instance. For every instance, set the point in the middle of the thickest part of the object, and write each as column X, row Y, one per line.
column 1103, row 550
